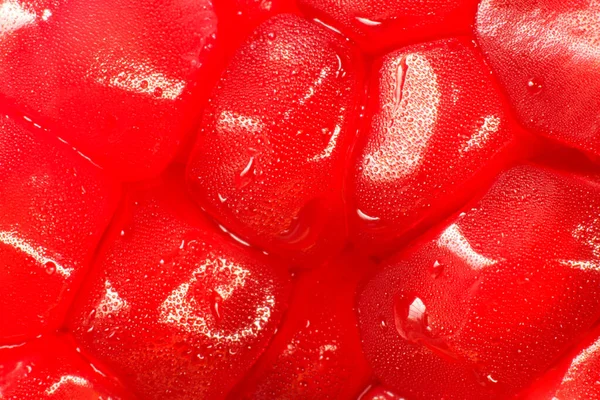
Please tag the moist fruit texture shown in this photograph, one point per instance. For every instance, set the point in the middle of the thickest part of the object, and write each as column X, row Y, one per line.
column 300, row 199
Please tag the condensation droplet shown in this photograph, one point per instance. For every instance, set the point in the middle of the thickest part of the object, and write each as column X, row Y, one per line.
column 50, row 267
column 436, row 269
column 246, row 175
column 401, row 72
column 534, row 86
column 215, row 304
column 412, row 323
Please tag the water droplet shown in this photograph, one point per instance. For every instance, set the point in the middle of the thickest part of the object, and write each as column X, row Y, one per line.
column 50, row 267
column 158, row 92
column 401, row 72
column 534, row 86
column 436, row 269
column 412, row 323
column 411, row 318
column 46, row 14
column 246, row 175
column 215, row 304
column 144, row 84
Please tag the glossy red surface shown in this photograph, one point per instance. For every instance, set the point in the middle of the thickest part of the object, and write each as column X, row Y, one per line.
column 50, row 369
column 546, row 55
column 174, row 307
column 582, row 379
column 54, row 207
column 118, row 79
column 488, row 304
column 378, row 393
column 436, row 131
column 377, row 25
column 278, row 185
column 316, row 353
column 574, row 377
column 321, row 199
column 240, row 17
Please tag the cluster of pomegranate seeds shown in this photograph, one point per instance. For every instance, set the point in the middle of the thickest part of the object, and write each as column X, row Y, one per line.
column 300, row 199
